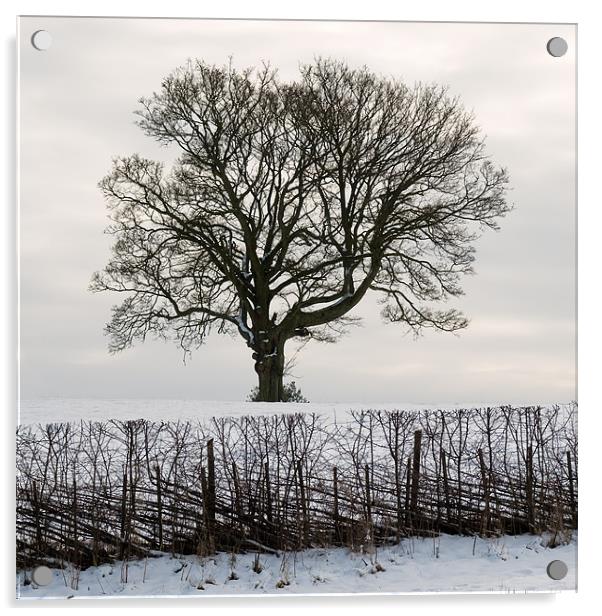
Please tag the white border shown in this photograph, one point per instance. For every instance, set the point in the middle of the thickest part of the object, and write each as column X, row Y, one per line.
column 584, row 13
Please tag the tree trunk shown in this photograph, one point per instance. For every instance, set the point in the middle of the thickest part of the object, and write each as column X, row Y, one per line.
column 269, row 365
column 270, row 386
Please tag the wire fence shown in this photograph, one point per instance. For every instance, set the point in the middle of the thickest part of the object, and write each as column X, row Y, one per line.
column 92, row 492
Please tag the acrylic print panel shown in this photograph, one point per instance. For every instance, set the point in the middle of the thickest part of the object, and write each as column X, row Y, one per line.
column 220, row 220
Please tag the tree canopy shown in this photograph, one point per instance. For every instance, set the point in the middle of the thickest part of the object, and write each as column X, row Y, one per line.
column 289, row 202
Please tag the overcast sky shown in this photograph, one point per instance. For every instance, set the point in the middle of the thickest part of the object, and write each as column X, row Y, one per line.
column 76, row 108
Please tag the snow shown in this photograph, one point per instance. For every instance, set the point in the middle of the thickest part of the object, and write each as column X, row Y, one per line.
column 70, row 409
column 446, row 563
column 244, row 328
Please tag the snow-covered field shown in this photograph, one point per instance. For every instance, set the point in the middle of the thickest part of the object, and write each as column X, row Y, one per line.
column 445, row 564
column 52, row 410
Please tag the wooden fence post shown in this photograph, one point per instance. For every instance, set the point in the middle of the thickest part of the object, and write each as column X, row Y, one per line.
column 211, row 498
column 408, row 490
column 211, row 482
column 75, row 551
column 237, row 497
column 485, row 522
column 122, row 532
column 445, row 485
column 529, row 490
column 368, row 497
column 399, row 519
column 571, row 489
column 159, row 508
column 36, row 513
column 335, row 483
column 415, row 473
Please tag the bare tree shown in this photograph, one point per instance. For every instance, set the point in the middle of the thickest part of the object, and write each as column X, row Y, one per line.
column 289, row 202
